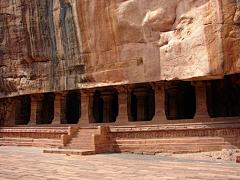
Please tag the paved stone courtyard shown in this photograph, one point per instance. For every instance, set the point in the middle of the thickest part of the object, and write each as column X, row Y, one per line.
column 31, row 163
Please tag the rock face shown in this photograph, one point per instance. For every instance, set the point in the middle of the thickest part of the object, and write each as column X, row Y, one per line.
column 56, row 45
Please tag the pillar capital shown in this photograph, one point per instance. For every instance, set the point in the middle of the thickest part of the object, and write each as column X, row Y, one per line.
column 36, row 97
column 85, row 92
column 60, row 94
column 141, row 92
column 172, row 84
column 200, row 83
column 122, row 89
column 18, row 98
column 160, row 85
column 130, row 87
column 173, row 91
column 107, row 90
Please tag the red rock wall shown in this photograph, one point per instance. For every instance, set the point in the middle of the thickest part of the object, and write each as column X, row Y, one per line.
column 56, row 45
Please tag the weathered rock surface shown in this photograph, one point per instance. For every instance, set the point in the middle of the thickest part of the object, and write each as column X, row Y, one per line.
column 55, row 45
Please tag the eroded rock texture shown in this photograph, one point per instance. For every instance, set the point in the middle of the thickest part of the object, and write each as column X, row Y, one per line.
column 55, row 45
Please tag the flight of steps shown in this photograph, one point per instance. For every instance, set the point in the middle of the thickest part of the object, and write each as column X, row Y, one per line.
column 80, row 143
column 82, row 139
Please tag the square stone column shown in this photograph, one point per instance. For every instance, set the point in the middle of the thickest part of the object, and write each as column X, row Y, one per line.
column 201, row 100
column 36, row 108
column 172, row 92
column 173, row 107
column 142, row 110
column 124, row 113
column 86, row 107
column 17, row 108
column 59, row 109
column 130, row 88
column 160, row 113
column 107, row 97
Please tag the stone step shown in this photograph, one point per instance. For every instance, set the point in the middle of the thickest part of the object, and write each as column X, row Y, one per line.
column 81, row 137
column 84, row 134
column 47, row 141
column 88, row 131
column 70, row 152
column 80, row 140
column 77, row 145
column 83, row 143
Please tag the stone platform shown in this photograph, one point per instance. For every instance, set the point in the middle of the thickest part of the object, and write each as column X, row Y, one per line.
column 175, row 138
column 32, row 136
column 142, row 139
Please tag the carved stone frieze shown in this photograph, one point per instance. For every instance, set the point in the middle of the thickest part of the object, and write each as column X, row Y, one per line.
column 174, row 134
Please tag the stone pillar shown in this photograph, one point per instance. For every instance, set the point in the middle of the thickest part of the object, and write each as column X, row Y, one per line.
column 209, row 99
column 142, row 110
column 18, row 106
column 160, row 113
column 173, row 110
column 80, row 108
column 86, row 107
column 201, row 100
column 129, row 102
column 124, row 116
column 107, row 97
column 36, row 108
column 63, row 108
column 172, row 89
column 59, row 109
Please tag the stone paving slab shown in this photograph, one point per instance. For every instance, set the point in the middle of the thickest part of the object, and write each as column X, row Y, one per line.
column 26, row 163
column 69, row 151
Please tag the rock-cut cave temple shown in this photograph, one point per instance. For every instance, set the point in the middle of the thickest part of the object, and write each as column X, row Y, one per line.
column 133, row 75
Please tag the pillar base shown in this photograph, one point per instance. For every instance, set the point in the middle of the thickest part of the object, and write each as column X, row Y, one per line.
column 31, row 124
column 201, row 115
column 84, row 121
column 159, row 119
column 122, row 120
column 55, row 122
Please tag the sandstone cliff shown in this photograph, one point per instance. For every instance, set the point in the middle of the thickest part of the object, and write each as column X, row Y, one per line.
column 55, row 45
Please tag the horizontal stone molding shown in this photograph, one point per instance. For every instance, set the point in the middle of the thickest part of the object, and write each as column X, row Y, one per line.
column 31, row 135
column 164, row 127
column 175, row 134
column 59, row 131
column 35, row 133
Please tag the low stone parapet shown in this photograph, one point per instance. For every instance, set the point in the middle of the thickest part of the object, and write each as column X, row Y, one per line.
column 32, row 136
column 175, row 138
